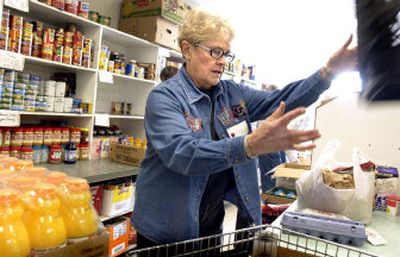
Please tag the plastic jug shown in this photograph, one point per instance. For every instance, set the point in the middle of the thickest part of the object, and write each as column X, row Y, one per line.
column 46, row 227
column 56, row 177
column 14, row 239
column 76, row 208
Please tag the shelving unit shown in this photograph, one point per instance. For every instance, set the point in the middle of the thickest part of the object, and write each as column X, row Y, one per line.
column 105, row 218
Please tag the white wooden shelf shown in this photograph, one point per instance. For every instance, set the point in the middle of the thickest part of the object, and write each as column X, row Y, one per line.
column 134, row 117
column 43, row 62
column 133, row 78
column 124, row 39
column 54, row 16
column 104, row 218
column 55, row 114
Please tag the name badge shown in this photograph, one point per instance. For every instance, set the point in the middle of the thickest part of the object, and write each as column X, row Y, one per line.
column 238, row 130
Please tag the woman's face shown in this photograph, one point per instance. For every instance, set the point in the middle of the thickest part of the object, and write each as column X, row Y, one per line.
column 205, row 70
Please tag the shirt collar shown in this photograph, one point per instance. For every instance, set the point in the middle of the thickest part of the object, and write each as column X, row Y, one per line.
column 192, row 92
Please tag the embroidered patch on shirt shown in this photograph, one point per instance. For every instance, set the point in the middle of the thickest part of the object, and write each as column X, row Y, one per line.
column 226, row 117
column 193, row 123
column 240, row 109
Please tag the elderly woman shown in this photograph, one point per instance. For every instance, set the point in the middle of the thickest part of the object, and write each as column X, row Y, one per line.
column 201, row 149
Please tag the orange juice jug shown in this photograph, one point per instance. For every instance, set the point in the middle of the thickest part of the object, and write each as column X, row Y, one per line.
column 77, row 210
column 14, row 239
column 46, row 227
column 37, row 172
column 56, row 177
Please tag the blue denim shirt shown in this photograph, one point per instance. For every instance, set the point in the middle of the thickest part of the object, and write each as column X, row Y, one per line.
column 180, row 154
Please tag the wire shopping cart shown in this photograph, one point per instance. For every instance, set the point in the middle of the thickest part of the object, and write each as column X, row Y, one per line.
column 259, row 241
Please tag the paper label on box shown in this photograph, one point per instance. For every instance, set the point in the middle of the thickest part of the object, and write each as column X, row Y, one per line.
column 106, row 77
column 22, row 5
column 118, row 249
column 102, row 120
column 9, row 119
column 122, row 194
column 12, row 61
column 120, row 230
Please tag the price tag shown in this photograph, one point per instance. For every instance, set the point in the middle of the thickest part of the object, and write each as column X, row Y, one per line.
column 12, row 61
column 22, row 5
column 102, row 120
column 9, row 119
column 106, row 77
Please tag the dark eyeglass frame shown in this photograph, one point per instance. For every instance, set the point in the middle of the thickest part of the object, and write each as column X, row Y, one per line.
column 214, row 52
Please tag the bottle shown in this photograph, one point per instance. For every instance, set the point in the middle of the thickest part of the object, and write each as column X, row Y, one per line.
column 76, row 208
column 70, row 153
column 46, row 227
column 14, row 239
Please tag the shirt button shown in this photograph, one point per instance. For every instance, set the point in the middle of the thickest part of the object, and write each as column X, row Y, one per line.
column 246, row 198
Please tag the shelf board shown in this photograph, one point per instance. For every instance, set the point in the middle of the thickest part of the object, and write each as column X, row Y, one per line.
column 95, row 170
column 57, row 114
column 54, row 16
column 133, row 117
column 124, row 39
column 105, row 218
column 133, row 78
column 40, row 61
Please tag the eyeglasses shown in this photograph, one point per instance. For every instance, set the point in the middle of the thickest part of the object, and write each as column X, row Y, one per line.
column 217, row 52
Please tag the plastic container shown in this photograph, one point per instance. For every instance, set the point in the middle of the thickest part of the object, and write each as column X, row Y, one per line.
column 26, row 153
column 46, row 227
column 14, row 152
column 56, row 177
column 76, row 208
column 75, row 135
column 64, row 135
column 37, row 152
column 37, row 136
column 5, row 151
column 17, row 137
column 27, row 139
column 70, row 153
column 55, row 154
column 14, row 239
column 83, row 152
column 47, row 136
column 84, row 136
column 6, row 142
column 56, row 136
column 36, row 172
column 45, row 154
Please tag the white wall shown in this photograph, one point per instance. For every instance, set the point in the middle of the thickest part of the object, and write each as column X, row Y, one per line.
column 107, row 7
column 286, row 39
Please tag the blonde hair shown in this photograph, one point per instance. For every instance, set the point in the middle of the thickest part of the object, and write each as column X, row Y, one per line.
column 200, row 26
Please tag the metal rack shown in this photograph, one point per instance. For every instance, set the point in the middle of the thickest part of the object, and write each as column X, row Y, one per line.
column 264, row 240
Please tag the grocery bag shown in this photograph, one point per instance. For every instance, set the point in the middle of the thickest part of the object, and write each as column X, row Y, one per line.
column 354, row 203
column 360, row 208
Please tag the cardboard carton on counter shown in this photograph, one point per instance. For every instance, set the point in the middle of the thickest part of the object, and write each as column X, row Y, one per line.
column 286, row 175
column 94, row 246
column 154, row 29
column 127, row 154
column 173, row 10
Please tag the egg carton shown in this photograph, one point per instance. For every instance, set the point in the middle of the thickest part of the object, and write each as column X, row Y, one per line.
column 332, row 229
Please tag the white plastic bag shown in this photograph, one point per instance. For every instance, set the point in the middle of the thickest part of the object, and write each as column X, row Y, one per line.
column 360, row 208
column 314, row 193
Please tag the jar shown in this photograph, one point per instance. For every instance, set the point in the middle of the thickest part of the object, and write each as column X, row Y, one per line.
column 56, row 136
column 5, row 151
column 26, row 153
column 64, row 135
column 17, row 137
column 37, row 136
column 14, row 152
column 70, row 153
column 55, row 154
column 27, row 137
column 75, row 135
column 45, row 154
column 83, row 151
column 6, row 137
column 1, row 136
column 37, row 154
column 47, row 136
column 130, row 68
column 84, row 136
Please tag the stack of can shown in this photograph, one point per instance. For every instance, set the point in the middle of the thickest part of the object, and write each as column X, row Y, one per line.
column 15, row 37
column 18, row 95
column 7, row 89
column 4, row 29
column 31, row 92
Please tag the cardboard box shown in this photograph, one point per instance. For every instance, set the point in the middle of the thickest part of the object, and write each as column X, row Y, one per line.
column 154, row 29
column 286, row 175
column 119, row 230
column 173, row 10
column 118, row 200
column 127, row 154
column 94, row 246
